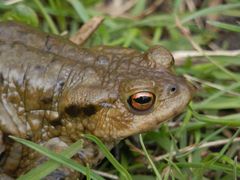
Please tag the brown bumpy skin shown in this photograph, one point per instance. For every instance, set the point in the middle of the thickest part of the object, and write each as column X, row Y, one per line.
column 52, row 92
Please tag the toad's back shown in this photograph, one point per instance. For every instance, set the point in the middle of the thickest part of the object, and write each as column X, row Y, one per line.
column 52, row 91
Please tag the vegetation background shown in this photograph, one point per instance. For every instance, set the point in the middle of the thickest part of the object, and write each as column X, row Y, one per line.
column 204, row 36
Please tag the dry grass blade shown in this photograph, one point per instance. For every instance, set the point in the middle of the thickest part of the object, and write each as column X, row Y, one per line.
column 87, row 30
column 180, row 56
column 116, row 8
column 150, row 10
column 106, row 175
column 196, row 146
column 10, row 2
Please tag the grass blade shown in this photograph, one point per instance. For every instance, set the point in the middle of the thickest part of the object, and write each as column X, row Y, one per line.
column 225, row 26
column 229, row 120
column 149, row 159
column 219, row 103
column 47, row 17
column 210, row 10
column 109, row 156
column 78, row 6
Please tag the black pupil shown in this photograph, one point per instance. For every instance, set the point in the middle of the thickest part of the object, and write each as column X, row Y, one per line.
column 143, row 99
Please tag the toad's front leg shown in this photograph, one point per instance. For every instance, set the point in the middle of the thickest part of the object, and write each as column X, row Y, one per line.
column 2, row 149
column 89, row 154
column 32, row 159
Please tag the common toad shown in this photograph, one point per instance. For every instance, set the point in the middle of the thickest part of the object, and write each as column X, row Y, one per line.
column 53, row 91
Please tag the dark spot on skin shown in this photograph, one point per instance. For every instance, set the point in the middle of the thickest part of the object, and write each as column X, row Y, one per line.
column 1, row 78
column 61, row 83
column 3, row 156
column 89, row 110
column 6, row 139
column 47, row 45
column 56, row 122
column 46, row 100
column 73, row 110
column 53, row 60
column 39, row 68
column 76, row 111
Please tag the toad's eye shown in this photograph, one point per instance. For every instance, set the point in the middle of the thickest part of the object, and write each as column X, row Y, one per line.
column 141, row 101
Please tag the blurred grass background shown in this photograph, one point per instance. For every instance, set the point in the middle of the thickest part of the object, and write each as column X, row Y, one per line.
column 203, row 142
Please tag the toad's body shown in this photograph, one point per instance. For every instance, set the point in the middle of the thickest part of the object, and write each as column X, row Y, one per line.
column 52, row 92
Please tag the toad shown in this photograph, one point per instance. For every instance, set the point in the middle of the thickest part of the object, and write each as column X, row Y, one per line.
column 52, row 92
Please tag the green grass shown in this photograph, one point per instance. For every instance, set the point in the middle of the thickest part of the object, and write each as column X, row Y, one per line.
column 212, row 116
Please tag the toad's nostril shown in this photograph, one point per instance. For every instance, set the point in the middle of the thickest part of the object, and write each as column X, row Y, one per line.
column 173, row 89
